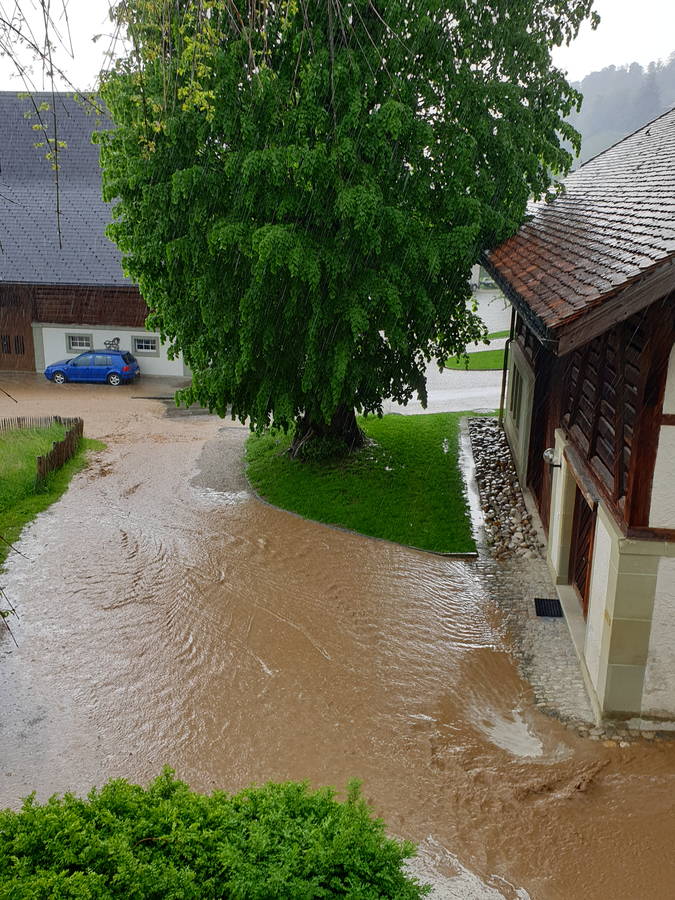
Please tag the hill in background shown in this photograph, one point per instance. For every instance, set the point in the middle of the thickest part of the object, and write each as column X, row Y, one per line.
column 619, row 100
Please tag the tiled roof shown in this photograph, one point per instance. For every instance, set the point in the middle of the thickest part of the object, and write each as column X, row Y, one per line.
column 614, row 223
column 29, row 240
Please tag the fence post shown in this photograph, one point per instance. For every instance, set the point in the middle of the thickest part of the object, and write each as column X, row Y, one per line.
column 61, row 451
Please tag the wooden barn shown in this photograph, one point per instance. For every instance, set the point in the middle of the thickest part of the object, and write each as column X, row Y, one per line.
column 62, row 289
column 590, row 409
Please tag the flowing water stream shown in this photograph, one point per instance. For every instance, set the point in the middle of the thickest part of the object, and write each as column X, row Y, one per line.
column 167, row 617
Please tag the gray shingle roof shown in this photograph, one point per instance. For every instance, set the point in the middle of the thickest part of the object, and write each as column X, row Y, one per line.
column 29, row 240
column 615, row 222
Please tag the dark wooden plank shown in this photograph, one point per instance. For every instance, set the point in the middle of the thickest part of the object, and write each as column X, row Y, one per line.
column 595, row 416
column 583, row 526
column 651, row 534
column 619, row 407
column 579, row 386
column 641, row 293
column 645, row 440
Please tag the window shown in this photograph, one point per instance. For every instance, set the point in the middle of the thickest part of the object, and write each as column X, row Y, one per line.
column 516, row 396
column 76, row 343
column 147, row 345
column 87, row 359
column 6, row 343
column 19, row 346
column 100, row 360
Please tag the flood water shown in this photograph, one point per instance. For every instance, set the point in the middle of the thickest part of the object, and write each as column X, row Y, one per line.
column 167, row 617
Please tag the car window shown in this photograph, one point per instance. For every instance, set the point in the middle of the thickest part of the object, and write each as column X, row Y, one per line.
column 128, row 358
column 101, row 360
column 86, row 359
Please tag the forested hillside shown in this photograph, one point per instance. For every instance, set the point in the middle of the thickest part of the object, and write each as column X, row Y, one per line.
column 617, row 101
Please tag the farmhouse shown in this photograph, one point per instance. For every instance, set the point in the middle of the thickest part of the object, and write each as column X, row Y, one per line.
column 62, row 289
column 590, row 409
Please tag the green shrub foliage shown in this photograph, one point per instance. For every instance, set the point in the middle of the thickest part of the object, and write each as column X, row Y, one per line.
column 166, row 841
column 302, row 188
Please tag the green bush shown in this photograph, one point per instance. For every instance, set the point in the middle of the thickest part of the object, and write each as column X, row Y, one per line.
column 166, row 841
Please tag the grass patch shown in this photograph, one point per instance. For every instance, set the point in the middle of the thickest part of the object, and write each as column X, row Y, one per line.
column 20, row 499
column 482, row 360
column 404, row 486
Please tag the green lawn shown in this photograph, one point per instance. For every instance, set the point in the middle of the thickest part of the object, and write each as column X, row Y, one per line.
column 483, row 359
column 404, row 486
column 20, row 501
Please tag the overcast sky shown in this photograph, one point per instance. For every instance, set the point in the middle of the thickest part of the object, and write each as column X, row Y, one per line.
column 630, row 31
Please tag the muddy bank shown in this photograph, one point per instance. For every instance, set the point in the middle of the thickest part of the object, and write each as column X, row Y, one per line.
column 166, row 617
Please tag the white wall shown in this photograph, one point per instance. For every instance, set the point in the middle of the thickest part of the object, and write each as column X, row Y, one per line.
column 54, row 346
column 669, row 398
column 563, row 492
column 662, row 509
column 658, row 698
column 597, row 642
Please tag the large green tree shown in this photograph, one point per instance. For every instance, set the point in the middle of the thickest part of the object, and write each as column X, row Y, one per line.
column 304, row 185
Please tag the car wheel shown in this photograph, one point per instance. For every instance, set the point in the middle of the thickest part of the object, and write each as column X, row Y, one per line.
column 114, row 379
column 59, row 378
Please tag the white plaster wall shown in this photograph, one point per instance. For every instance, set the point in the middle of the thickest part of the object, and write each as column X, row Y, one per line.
column 54, row 344
column 662, row 510
column 658, row 698
column 597, row 603
column 669, row 398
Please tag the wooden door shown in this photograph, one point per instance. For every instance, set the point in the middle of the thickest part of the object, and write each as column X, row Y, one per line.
column 581, row 549
column 16, row 338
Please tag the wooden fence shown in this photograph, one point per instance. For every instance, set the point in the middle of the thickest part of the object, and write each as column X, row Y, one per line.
column 35, row 422
column 61, row 451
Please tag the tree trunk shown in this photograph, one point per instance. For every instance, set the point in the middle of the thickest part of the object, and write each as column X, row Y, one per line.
column 342, row 427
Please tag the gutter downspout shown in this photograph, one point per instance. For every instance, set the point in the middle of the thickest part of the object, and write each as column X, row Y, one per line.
column 505, row 367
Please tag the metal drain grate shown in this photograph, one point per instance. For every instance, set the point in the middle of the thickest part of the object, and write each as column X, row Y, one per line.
column 544, row 606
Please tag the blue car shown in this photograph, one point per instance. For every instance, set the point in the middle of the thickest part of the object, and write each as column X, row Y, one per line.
column 113, row 366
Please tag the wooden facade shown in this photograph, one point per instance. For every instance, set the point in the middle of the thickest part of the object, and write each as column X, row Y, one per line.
column 16, row 335
column 591, row 277
column 606, row 395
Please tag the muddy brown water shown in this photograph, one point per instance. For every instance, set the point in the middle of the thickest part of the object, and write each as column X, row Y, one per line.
column 167, row 617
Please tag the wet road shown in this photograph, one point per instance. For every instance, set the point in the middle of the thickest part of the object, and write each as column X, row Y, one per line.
column 168, row 617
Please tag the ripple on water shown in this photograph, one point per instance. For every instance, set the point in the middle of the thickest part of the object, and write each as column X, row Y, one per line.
column 161, row 624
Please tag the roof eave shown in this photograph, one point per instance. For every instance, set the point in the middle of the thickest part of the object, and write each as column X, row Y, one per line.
column 541, row 331
column 618, row 305
column 606, row 311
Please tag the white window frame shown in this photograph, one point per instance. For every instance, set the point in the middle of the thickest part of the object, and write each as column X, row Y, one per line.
column 135, row 338
column 518, row 412
column 79, row 336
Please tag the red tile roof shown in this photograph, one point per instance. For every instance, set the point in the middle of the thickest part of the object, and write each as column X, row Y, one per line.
column 614, row 223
